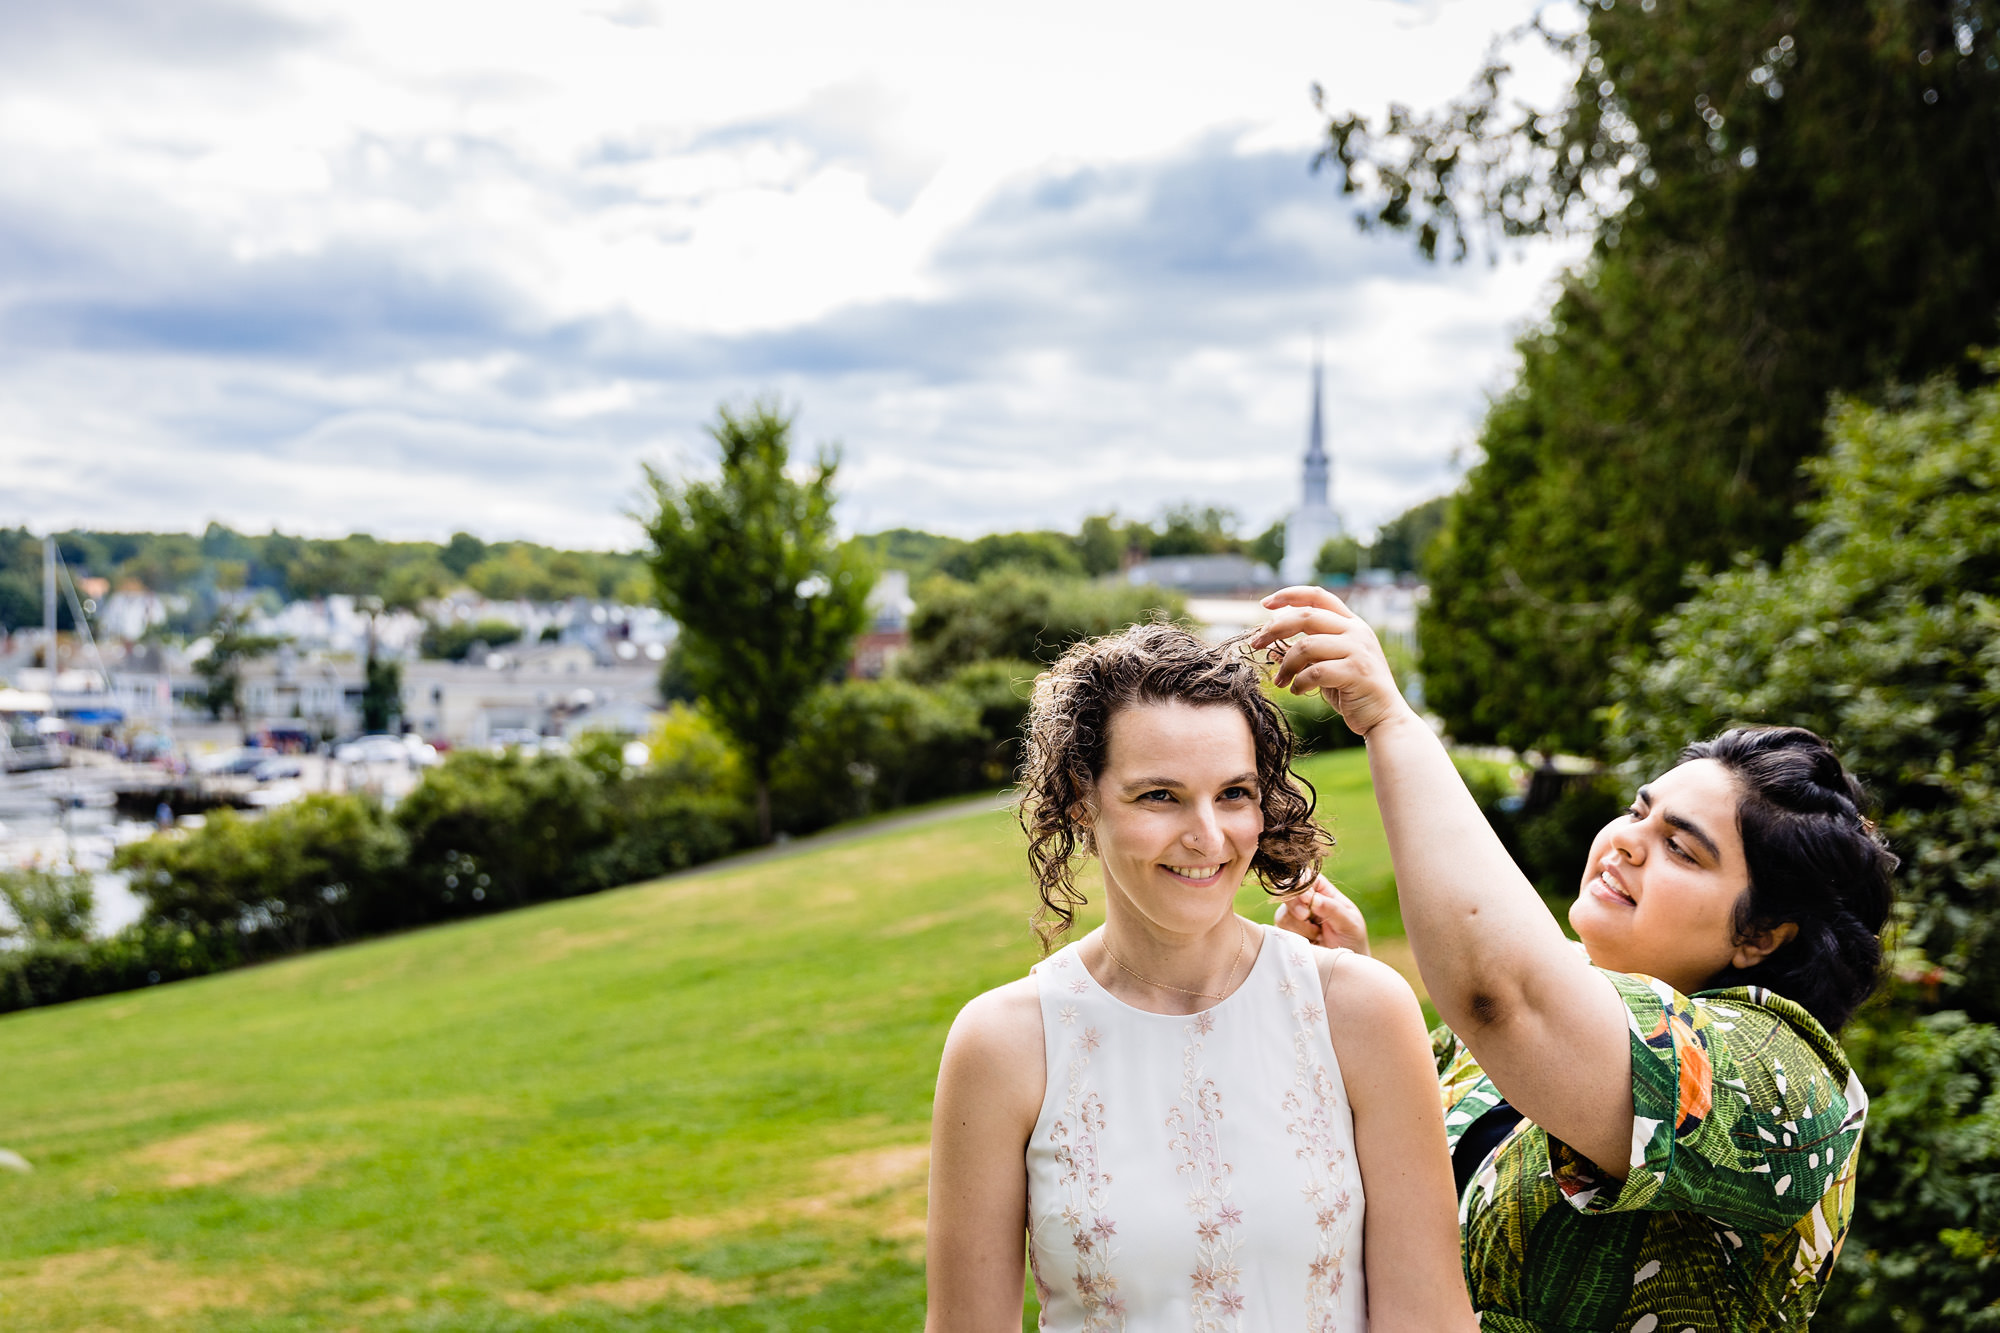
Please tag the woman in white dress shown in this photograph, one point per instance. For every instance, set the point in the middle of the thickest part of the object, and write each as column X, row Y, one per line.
column 1192, row 1122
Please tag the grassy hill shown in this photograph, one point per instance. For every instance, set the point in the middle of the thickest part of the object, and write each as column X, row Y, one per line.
column 700, row 1103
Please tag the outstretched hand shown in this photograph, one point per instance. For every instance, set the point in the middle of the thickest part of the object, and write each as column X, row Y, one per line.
column 1325, row 916
column 1321, row 645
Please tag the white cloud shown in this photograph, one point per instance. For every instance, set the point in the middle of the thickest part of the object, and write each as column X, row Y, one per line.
column 418, row 266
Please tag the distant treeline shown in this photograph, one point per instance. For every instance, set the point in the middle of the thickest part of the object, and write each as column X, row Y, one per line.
column 1105, row 542
column 203, row 568
column 221, row 560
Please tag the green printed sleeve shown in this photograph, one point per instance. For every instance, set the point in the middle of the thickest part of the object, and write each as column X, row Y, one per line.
column 1744, row 1110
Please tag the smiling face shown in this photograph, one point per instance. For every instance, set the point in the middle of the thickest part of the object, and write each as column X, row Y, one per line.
column 1178, row 814
column 1660, row 891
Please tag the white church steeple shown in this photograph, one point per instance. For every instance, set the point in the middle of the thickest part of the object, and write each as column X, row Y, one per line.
column 1313, row 523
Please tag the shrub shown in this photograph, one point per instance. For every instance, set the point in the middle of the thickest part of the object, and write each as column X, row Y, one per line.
column 997, row 690
column 483, row 832
column 292, row 879
column 142, row 954
column 47, row 904
column 1925, row 1253
column 869, row 745
column 488, row 831
column 690, row 803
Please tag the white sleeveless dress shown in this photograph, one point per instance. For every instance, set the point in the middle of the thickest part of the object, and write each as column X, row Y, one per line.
column 1195, row 1171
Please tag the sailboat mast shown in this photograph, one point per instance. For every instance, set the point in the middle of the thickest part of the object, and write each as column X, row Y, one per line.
column 49, row 605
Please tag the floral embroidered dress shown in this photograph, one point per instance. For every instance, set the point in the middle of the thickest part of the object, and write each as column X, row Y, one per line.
column 1195, row 1171
column 1746, row 1124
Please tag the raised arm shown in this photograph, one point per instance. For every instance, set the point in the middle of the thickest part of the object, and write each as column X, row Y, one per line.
column 1549, row 1030
column 1416, row 1282
column 989, row 1091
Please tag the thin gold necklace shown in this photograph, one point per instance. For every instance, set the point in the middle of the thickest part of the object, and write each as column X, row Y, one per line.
column 1206, row 995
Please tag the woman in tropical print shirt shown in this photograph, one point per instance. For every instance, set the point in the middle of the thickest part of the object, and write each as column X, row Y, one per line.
column 1659, row 1137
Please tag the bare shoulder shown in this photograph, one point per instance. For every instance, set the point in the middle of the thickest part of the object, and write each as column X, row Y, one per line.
column 1360, row 989
column 1372, row 1015
column 1003, row 1024
column 994, row 1054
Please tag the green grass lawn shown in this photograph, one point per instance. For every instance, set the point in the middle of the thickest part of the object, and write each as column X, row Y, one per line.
column 700, row 1103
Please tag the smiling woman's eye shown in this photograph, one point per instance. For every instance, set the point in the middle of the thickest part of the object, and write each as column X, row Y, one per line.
column 1238, row 794
column 1159, row 795
column 1635, row 812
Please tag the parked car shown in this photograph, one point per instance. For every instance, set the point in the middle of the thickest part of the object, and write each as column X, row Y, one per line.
column 381, row 748
column 233, row 763
column 278, row 768
column 503, row 739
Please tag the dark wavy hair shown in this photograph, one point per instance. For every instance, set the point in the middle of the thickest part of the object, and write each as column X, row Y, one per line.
column 1816, row 859
column 1069, row 727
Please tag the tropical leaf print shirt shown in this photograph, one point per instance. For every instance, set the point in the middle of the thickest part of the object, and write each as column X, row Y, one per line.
column 1746, row 1121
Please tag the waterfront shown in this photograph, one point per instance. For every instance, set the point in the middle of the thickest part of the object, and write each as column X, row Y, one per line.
column 74, row 815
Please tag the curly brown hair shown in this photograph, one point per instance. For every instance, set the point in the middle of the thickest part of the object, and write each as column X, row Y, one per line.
column 1069, row 728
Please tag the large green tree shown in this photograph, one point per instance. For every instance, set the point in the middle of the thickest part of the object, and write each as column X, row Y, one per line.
column 767, row 598
column 1787, row 198
column 1880, row 629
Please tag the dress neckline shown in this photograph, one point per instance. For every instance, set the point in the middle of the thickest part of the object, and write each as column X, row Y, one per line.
column 1264, row 950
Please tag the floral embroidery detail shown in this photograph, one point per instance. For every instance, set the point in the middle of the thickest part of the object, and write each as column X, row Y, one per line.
column 1288, row 988
column 1079, row 987
column 1309, row 1107
column 1217, row 1302
column 1080, row 1171
column 1068, row 1015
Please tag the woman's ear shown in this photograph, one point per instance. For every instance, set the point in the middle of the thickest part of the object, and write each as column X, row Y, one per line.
column 1755, row 947
column 1083, row 814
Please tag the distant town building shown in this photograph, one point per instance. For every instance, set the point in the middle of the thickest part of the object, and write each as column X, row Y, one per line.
column 130, row 612
column 888, row 634
column 1314, row 523
column 1204, row 575
column 325, row 695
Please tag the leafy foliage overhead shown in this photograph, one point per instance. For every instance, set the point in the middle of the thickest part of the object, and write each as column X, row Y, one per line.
column 1788, row 200
column 1732, row 103
column 1880, row 630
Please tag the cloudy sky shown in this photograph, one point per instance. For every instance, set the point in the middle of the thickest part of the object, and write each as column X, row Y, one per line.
column 408, row 266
